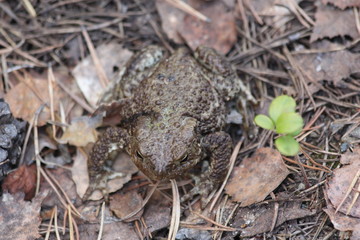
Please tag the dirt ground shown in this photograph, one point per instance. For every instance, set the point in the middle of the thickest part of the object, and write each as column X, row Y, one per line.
column 58, row 58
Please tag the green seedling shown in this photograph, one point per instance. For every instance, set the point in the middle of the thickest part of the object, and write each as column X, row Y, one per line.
column 285, row 121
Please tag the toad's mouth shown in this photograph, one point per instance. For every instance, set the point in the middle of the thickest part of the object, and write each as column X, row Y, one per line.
column 163, row 172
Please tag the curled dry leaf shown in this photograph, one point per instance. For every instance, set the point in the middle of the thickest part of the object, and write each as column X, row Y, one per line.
column 20, row 219
column 342, row 180
column 86, row 75
column 124, row 204
column 81, row 131
column 23, row 180
column 79, row 172
column 331, row 22
column 256, row 177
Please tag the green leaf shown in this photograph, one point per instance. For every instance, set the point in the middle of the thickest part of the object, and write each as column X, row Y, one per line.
column 281, row 104
column 264, row 121
column 293, row 134
column 287, row 145
column 289, row 122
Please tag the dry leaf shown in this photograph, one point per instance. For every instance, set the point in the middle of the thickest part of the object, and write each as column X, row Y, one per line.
column 331, row 22
column 113, row 229
column 344, row 223
column 23, row 180
column 20, row 219
column 27, row 96
column 63, row 177
column 330, row 66
column 112, row 56
column 275, row 13
column 256, row 177
column 157, row 214
column 124, row 204
column 340, row 182
column 219, row 34
column 171, row 18
column 81, row 131
column 79, row 172
column 343, row 3
column 257, row 220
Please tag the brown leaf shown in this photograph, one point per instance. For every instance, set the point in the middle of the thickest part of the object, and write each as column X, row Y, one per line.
column 111, row 55
column 343, row 3
column 331, row 22
column 340, row 182
column 113, row 229
column 258, row 219
column 331, row 66
column 81, row 131
column 63, row 177
column 27, row 96
column 256, row 177
column 23, row 180
column 124, row 204
column 20, row 219
column 344, row 223
column 157, row 214
column 219, row 34
column 171, row 18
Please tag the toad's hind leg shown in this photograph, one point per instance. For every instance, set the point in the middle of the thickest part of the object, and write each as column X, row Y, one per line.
column 105, row 150
column 219, row 147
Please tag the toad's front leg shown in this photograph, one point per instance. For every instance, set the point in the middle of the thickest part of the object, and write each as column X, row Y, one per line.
column 219, row 147
column 105, row 150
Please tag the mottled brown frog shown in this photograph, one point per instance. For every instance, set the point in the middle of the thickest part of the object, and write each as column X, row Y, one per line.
column 171, row 113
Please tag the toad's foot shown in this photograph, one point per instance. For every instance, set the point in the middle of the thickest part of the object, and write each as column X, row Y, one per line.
column 203, row 187
column 100, row 182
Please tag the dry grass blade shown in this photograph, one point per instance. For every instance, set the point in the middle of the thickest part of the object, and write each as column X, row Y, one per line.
column 221, row 227
column 175, row 216
column 29, row 7
column 98, row 66
column 188, row 9
column 350, row 188
column 355, row 198
column 53, row 213
column 37, row 149
column 101, row 221
column 71, row 227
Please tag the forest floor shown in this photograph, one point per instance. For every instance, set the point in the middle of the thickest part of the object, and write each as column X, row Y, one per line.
column 57, row 57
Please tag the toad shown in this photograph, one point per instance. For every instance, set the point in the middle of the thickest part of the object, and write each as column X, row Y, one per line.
column 171, row 114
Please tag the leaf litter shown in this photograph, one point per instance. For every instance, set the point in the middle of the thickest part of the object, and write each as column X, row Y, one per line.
column 308, row 49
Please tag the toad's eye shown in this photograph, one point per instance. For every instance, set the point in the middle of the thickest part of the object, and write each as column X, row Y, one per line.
column 184, row 159
column 139, row 155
